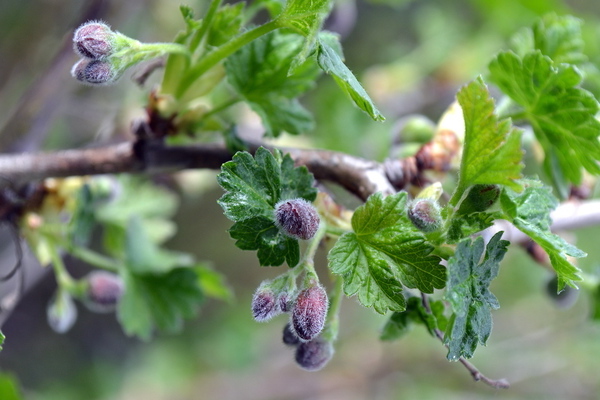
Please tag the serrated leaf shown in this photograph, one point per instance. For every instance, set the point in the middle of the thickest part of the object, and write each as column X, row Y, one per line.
column 468, row 293
column 400, row 322
column 467, row 225
column 142, row 255
column 492, row 149
column 158, row 301
column 331, row 62
column 383, row 253
column 529, row 211
column 561, row 113
column 558, row 37
column 226, row 24
column 304, row 16
column 259, row 73
column 253, row 186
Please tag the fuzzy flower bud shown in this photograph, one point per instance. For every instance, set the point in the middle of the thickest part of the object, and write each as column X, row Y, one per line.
column 265, row 303
column 289, row 336
column 313, row 355
column 93, row 40
column 104, row 291
column 297, row 218
column 425, row 215
column 309, row 312
column 61, row 312
column 94, row 72
column 480, row 198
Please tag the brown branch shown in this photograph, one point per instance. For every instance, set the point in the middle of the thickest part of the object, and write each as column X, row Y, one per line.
column 357, row 175
column 475, row 373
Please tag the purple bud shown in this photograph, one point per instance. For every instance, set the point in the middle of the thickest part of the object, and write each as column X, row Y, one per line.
column 309, row 312
column 264, row 304
column 94, row 72
column 297, row 218
column 93, row 40
column 104, row 291
column 284, row 302
column 289, row 336
column 313, row 355
column 425, row 215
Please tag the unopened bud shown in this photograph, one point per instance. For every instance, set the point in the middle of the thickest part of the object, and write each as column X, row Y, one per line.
column 297, row 218
column 289, row 336
column 94, row 72
column 264, row 304
column 284, row 302
column 309, row 312
column 314, row 355
column 93, row 40
column 104, row 291
column 425, row 215
column 61, row 312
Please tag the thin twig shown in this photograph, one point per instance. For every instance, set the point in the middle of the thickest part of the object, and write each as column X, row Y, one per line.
column 475, row 373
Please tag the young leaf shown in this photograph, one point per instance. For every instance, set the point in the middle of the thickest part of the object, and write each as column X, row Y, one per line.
column 468, row 293
column 400, row 322
column 492, row 149
column 213, row 283
column 303, row 16
column 558, row 37
column 331, row 62
column 253, row 186
column 384, row 252
column 562, row 114
column 158, row 301
column 259, row 73
column 530, row 211
column 226, row 24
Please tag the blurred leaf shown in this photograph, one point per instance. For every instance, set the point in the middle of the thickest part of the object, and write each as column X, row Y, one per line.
column 259, row 73
column 562, row 115
column 142, row 255
column 384, row 252
column 331, row 62
column 304, row 16
column 492, row 149
column 226, row 24
column 213, row 283
column 83, row 220
column 558, row 37
column 9, row 388
column 2, row 337
column 529, row 211
column 159, row 301
column 253, row 186
column 468, row 293
column 399, row 323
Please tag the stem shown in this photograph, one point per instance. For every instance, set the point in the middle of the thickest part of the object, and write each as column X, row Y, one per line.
column 477, row 376
column 335, row 231
column 63, row 278
column 206, row 23
column 333, row 314
column 95, row 259
column 220, row 108
column 218, row 54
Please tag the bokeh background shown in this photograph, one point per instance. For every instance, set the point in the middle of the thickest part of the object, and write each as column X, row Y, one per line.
column 412, row 56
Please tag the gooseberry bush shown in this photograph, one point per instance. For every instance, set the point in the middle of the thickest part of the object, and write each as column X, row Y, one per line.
column 423, row 248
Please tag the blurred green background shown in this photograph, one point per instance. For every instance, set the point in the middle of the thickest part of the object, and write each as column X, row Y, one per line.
column 412, row 56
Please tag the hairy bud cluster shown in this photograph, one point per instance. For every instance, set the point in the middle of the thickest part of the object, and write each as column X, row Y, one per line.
column 94, row 72
column 93, row 40
column 425, row 215
column 104, row 290
column 297, row 218
column 309, row 312
column 270, row 299
column 312, row 355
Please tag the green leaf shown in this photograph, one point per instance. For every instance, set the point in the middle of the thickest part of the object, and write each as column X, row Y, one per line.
column 467, row 225
column 213, row 284
column 529, row 211
column 562, row 114
column 492, row 148
column 468, row 293
column 331, row 62
column 304, row 16
column 400, row 322
column 9, row 387
column 558, row 37
column 159, row 301
column 383, row 253
column 253, row 186
column 2, row 337
column 83, row 219
column 226, row 24
column 259, row 73
column 142, row 255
